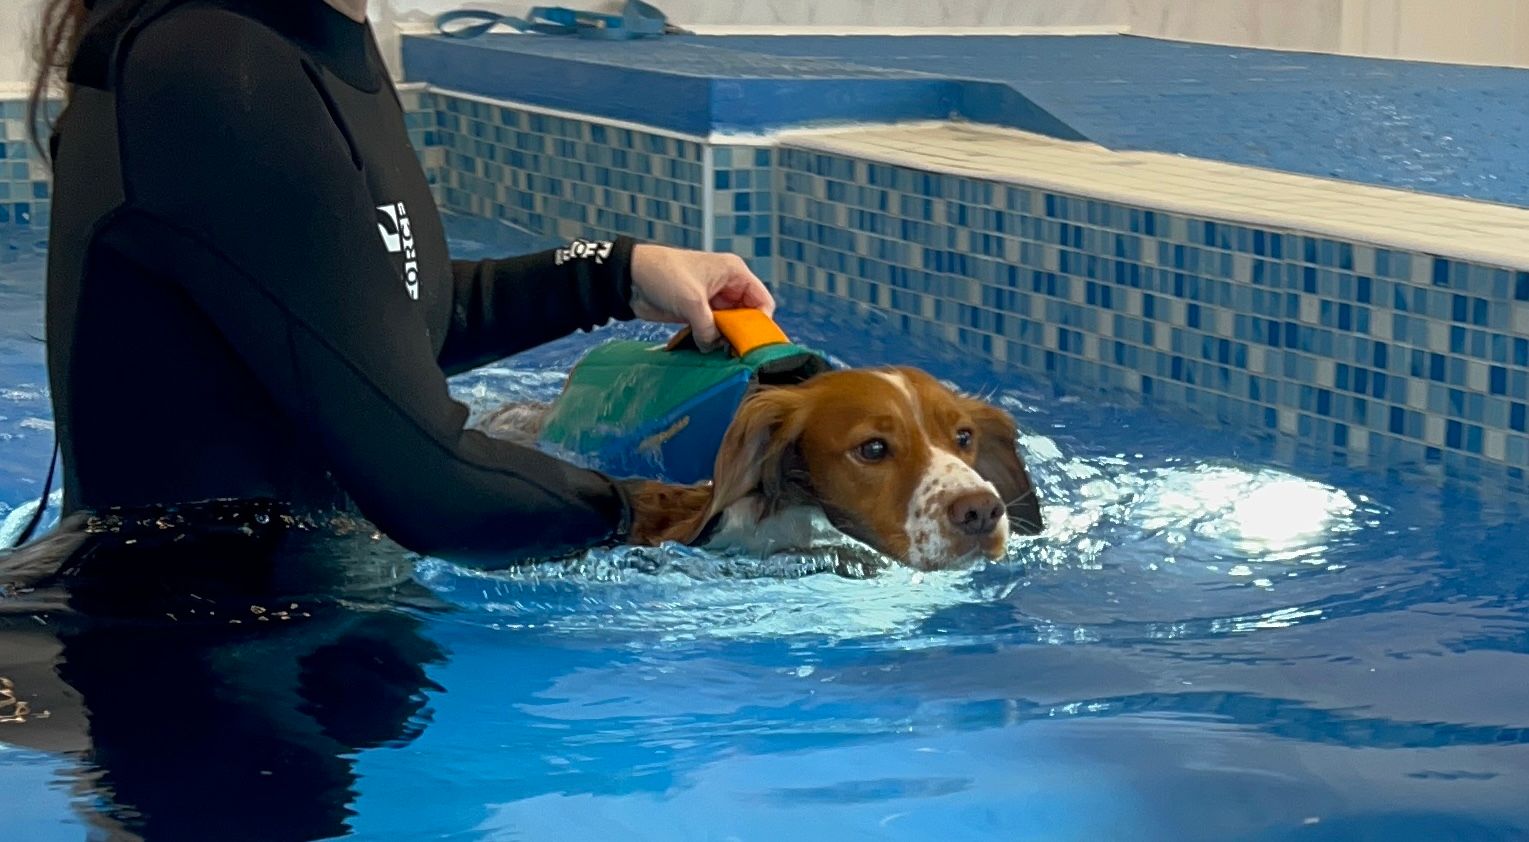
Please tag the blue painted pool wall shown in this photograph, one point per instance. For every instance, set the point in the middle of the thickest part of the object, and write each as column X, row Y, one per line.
column 700, row 105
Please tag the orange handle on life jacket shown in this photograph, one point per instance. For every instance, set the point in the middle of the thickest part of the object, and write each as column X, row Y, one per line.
column 745, row 329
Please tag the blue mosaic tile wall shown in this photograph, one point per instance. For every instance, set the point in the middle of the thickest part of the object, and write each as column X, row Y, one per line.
column 24, row 181
column 419, row 118
column 743, row 185
column 1385, row 356
column 565, row 177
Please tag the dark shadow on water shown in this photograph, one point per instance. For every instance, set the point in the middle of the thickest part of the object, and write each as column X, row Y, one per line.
column 223, row 693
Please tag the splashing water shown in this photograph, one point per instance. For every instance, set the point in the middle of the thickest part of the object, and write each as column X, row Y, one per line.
column 1193, row 524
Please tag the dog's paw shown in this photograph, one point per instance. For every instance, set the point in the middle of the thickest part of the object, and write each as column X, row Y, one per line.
column 517, row 422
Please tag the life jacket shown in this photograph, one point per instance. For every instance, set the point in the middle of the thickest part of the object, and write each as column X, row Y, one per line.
column 639, row 409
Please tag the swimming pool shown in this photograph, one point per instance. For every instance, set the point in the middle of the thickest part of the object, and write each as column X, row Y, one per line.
column 1212, row 641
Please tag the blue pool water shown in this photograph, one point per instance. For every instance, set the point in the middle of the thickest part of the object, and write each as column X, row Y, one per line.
column 1211, row 642
column 1435, row 128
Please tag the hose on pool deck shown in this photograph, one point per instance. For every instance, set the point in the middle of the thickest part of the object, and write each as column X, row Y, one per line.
column 637, row 20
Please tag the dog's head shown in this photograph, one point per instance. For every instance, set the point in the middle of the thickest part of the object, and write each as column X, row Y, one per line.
column 891, row 456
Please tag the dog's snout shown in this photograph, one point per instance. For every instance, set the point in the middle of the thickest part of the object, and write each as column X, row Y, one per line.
column 976, row 513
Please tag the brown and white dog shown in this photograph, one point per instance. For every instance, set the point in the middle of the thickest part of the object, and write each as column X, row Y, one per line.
column 887, row 456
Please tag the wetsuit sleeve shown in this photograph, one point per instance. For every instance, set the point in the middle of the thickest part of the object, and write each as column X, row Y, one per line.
column 503, row 307
column 244, row 193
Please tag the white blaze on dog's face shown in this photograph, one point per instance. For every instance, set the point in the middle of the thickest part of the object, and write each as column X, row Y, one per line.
column 893, row 458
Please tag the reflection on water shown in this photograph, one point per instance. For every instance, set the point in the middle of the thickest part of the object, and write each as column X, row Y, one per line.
column 1261, row 515
column 219, row 691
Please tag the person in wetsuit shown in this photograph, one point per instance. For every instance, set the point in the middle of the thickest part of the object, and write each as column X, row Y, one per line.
column 250, row 296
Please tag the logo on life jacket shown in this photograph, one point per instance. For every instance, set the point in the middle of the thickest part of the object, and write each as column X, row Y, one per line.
column 398, row 237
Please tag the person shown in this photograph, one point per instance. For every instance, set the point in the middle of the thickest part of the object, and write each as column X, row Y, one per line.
column 251, row 311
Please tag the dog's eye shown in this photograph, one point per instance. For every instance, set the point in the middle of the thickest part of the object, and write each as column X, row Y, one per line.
column 874, row 450
column 963, row 439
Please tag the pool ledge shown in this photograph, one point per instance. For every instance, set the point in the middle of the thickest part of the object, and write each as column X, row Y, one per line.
column 1460, row 229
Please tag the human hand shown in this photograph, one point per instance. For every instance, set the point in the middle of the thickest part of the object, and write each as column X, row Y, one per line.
column 684, row 287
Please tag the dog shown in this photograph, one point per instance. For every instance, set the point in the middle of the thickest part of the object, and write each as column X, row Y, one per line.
column 889, row 457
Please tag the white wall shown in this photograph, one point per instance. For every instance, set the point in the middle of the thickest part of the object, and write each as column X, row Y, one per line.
column 1471, row 31
column 1464, row 31
column 1286, row 24
column 1467, row 31
column 18, row 21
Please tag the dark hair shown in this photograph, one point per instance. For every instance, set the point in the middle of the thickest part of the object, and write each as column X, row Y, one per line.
column 58, row 40
column 58, row 36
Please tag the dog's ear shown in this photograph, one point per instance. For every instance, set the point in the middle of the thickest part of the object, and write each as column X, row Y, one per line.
column 663, row 512
column 752, row 459
column 753, row 456
column 1000, row 463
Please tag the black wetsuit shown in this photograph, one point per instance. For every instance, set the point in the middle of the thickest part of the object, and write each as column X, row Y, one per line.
column 250, row 296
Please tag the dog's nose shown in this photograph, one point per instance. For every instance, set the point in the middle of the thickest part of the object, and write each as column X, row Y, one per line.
column 976, row 513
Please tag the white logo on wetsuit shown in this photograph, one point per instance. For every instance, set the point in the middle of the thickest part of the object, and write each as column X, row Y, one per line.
column 583, row 250
column 398, row 237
